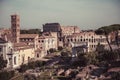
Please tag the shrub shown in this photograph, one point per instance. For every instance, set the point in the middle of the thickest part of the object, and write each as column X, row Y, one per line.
column 3, row 63
column 23, row 68
column 79, row 63
column 31, row 65
column 92, row 58
column 52, row 50
column 30, row 77
column 6, row 75
column 39, row 63
column 64, row 54
column 60, row 48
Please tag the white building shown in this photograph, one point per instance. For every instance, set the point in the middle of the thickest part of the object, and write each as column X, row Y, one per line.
column 16, row 53
column 45, row 44
column 90, row 38
column 6, row 49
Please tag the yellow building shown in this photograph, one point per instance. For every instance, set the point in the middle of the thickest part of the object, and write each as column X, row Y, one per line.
column 25, row 52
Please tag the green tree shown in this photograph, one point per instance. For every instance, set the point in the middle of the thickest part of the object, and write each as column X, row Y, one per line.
column 92, row 58
column 31, row 65
column 52, row 50
column 31, row 31
column 6, row 75
column 108, row 56
column 100, row 48
column 60, row 48
column 106, row 30
column 23, row 68
column 3, row 63
column 64, row 54
column 116, row 28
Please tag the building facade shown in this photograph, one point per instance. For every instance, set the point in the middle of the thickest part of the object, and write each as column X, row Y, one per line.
column 16, row 53
column 30, row 39
column 15, row 28
column 51, row 27
column 23, row 53
column 88, row 36
column 69, row 30
column 5, row 50
column 45, row 44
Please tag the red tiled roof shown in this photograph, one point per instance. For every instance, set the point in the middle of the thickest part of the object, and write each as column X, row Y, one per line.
column 43, row 37
column 21, row 46
column 28, row 35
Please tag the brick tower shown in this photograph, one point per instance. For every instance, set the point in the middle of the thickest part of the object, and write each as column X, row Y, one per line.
column 15, row 28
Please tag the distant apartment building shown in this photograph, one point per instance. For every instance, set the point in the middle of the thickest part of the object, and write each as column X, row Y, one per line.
column 53, row 34
column 6, row 34
column 53, row 27
column 89, row 37
column 62, row 31
column 69, row 30
column 45, row 44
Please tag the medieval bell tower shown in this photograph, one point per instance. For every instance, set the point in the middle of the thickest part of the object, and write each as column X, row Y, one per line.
column 15, row 28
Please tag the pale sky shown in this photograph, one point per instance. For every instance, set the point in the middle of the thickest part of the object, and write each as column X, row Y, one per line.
column 87, row 14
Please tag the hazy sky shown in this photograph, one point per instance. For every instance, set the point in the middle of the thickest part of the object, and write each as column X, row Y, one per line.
column 86, row 14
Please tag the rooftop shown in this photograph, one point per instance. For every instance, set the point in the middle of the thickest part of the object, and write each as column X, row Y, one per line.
column 43, row 37
column 28, row 35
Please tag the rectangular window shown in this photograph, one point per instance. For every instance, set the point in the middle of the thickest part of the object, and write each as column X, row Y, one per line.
column 15, row 60
column 0, row 49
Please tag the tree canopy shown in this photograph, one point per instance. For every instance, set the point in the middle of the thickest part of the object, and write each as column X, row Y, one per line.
column 108, row 29
column 3, row 63
column 31, row 31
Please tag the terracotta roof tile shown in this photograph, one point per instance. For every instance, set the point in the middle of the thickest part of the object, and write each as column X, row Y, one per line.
column 28, row 35
column 43, row 37
column 21, row 46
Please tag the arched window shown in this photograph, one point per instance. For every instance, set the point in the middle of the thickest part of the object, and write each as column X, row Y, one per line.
column 37, row 55
column 68, row 40
column 81, row 40
column 28, row 58
column 75, row 40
